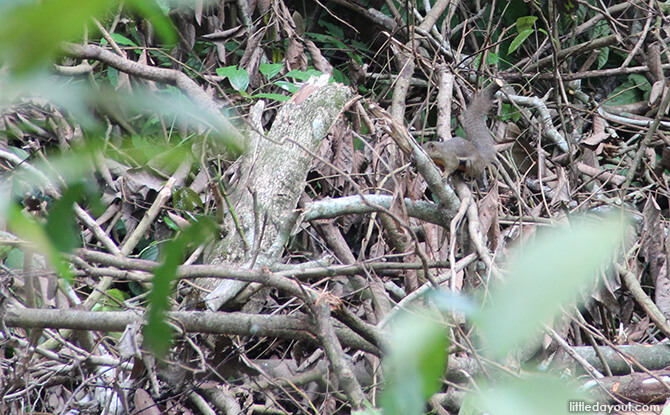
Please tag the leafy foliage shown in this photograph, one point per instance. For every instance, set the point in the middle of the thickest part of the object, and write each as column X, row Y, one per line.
column 415, row 363
column 524, row 28
column 30, row 230
column 32, row 32
column 541, row 281
column 157, row 332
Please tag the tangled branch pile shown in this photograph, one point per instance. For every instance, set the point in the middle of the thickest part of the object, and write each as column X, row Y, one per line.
column 222, row 194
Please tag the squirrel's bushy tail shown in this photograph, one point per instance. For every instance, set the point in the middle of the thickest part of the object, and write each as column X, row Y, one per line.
column 474, row 122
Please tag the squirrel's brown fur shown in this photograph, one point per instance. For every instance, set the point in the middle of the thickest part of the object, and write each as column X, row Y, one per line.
column 474, row 122
column 474, row 154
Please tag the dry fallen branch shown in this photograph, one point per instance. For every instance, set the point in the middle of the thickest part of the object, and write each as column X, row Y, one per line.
column 242, row 324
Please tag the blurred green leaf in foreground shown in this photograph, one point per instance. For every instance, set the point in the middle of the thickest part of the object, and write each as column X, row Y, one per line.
column 544, row 276
column 539, row 280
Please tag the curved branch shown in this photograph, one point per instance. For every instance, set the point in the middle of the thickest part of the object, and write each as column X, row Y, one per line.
column 168, row 76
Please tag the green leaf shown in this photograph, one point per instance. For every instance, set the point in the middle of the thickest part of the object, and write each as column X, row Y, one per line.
column 470, row 405
column 32, row 32
column 186, row 199
column 164, row 5
column 367, row 411
column 414, row 364
column 524, row 28
column 157, row 333
column 19, row 152
column 170, row 223
column 519, row 39
column 538, row 394
column 122, row 40
column 30, row 230
column 303, row 75
column 287, row 86
column 508, row 112
column 448, row 301
column 112, row 301
column 363, row 48
column 61, row 227
column 330, row 41
column 603, row 57
column 640, row 81
column 270, row 70
column 117, row 294
column 151, row 252
column 332, row 29
column 633, row 90
column 543, row 276
column 113, row 76
column 601, row 29
column 525, row 23
column 340, row 77
column 238, row 77
column 14, row 259
column 492, row 58
column 269, row 95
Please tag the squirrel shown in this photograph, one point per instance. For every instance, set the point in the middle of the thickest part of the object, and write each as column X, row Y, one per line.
column 470, row 156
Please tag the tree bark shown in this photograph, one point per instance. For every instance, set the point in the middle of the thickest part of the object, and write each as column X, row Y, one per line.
column 273, row 174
